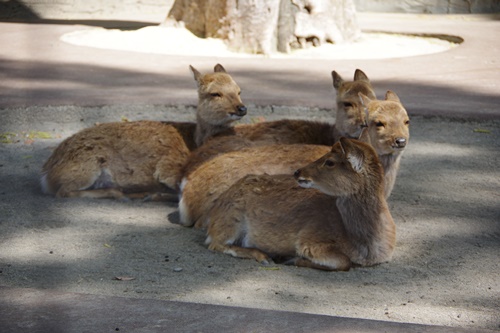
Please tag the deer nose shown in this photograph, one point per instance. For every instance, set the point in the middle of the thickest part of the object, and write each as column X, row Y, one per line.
column 241, row 110
column 400, row 142
column 296, row 174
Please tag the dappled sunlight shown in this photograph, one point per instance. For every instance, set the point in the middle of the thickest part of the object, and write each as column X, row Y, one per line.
column 37, row 247
column 275, row 288
column 445, row 205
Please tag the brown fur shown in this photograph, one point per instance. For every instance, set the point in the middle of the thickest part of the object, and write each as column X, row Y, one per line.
column 128, row 159
column 204, row 185
column 338, row 218
column 215, row 176
column 287, row 131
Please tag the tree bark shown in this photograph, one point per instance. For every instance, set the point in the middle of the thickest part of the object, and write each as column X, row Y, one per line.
column 266, row 26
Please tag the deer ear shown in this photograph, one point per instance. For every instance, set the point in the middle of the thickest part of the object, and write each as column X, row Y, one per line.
column 337, row 80
column 359, row 75
column 365, row 100
column 391, row 96
column 219, row 69
column 365, row 136
column 353, row 154
column 341, row 144
column 197, row 75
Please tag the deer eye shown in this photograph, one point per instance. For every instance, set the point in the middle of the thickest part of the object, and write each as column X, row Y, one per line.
column 379, row 124
column 239, row 93
column 215, row 95
column 347, row 104
column 407, row 122
column 329, row 163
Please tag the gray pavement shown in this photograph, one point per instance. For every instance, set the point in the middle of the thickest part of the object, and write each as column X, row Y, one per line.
column 30, row 310
column 38, row 69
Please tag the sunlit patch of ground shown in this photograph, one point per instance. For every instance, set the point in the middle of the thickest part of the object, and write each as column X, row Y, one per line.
column 179, row 41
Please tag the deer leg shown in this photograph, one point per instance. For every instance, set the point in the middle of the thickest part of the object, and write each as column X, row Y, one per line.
column 304, row 262
column 225, row 228
column 94, row 183
column 112, row 193
column 200, row 224
column 325, row 256
column 241, row 252
column 159, row 197
column 168, row 171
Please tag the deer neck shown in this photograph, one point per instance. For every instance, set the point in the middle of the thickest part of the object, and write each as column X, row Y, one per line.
column 390, row 161
column 205, row 130
column 329, row 134
column 390, row 164
column 368, row 225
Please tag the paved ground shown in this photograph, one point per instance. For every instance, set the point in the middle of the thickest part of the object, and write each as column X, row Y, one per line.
column 39, row 70
column 41, row 311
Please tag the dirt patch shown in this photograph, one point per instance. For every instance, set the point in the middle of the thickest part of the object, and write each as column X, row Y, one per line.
column 446, row 205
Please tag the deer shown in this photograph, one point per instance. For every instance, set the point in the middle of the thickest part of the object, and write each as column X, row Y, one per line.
column 124, row 160
column 330, row 214
column 386, row 125
column 349, row 117
column 389, row 132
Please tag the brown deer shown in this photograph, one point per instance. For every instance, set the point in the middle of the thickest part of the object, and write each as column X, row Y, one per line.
column 131, row 159
column 287, row 131
column 389, row 132
column 332, row 216
column 204, row 185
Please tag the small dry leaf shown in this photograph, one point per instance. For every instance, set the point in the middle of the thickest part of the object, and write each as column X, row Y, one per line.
column 480, row 130
column 125, row 119
column 124, row 278
column 271, row 268
column 107, row 245
column 39, row 135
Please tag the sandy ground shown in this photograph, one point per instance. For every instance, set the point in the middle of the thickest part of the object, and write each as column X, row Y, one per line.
column 446, row 205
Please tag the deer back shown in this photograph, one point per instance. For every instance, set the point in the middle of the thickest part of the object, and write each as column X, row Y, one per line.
column 205, row 184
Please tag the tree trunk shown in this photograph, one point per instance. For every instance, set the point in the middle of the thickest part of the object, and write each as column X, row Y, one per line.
column 266, row 26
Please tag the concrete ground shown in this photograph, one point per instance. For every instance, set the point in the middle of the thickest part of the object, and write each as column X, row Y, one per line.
column 38, row 70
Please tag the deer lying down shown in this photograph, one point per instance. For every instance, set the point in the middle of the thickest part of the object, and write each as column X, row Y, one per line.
column 349, row 119
column 332, row 216
column 203, row 186
column 128, row 159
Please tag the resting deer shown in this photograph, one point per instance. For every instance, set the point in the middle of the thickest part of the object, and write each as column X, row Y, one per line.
column 287, row 131
column 389, row 132
column 332, row 216
column 127, row 159
column 387, row 129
